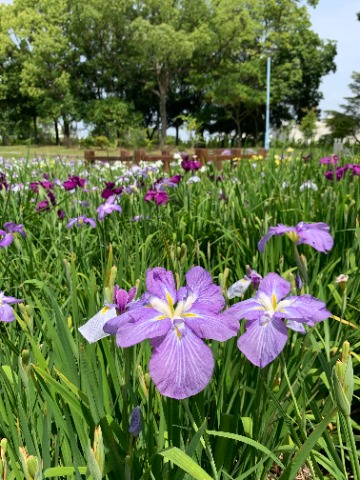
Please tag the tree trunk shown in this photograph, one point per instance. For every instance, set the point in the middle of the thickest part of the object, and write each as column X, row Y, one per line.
column 36, row 135
column 57, row 139
column 163, row 116
column 176, row 135
column 66, row 141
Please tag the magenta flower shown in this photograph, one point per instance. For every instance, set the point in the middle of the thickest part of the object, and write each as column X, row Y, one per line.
column 110, row 190
column 159, row 196
column 107, row 208
column 81, row 221
column 72, row 182
column 8, row 233
column 314, row 234
column 190, row 164
column 176, row 322
column 93, row 329
column 268, row 316
column 339, row 173
column 43, row 205
column 6, row 312
column 332, row 160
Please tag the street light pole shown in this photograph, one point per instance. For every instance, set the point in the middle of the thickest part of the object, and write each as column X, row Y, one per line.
column 267, row 118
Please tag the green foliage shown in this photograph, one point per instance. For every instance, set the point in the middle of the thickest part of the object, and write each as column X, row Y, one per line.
column 65, row 404
column 124, row 66
column 308, row 124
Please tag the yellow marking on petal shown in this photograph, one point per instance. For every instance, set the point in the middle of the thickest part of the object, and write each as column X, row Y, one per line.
column 189, row 314
column 178, row 333
column 161, row 317
column 273, row 300
column 294, row 237
column 104, row 310
column 170, row 302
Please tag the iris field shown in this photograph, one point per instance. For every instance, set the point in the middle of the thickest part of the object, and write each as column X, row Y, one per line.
column 198, row 356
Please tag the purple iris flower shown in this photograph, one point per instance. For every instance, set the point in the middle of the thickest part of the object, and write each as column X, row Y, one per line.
column 175, row 179
column 8, row 233
column 339, row 173
column 159, row 196
column 355, row 168
column 43, row 205
column 190, row 164
column 332, row 160
column 81, row 221
column 268, row 316
column 314, row 234
column 3, row 182
column 110, row 190
column 176, row 322
column 72, row 182
column 107, row 208
column 61, row 214
column 93, row 329
column 6, row 312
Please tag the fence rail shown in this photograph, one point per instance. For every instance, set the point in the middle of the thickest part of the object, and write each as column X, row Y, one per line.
column 205, row 155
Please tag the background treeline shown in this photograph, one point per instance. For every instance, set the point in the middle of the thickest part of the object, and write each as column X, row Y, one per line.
column 129, row 68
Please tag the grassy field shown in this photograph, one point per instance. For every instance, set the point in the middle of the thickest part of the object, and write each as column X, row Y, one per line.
column 66, row 405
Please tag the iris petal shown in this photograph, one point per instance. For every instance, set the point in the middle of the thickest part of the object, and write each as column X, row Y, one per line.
column 263, row 342
column 181, row 366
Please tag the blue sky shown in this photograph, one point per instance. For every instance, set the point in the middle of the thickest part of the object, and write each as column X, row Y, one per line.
column 335, row 20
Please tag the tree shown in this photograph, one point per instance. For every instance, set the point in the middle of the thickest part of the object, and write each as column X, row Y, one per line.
column 347, row 123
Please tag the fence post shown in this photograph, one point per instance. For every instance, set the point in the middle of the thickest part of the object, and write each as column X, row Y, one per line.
column 89, row 156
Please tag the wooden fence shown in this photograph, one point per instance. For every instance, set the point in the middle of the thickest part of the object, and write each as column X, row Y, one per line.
column 205, row 155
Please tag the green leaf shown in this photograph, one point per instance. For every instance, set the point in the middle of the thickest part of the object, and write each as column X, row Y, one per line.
column 302, row 455
column 249, row 441
column 183, row 461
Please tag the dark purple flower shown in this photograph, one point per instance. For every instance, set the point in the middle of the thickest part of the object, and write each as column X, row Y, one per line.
column 160, row 197
column 47, row 185
column 314, row 234
column 339, row 173
column 34, row 186
column 176, row 322
column 190, row 164
column 61, row 214
column 268, row 316
column 6, row 312
column 175, row 179
column 81, row 221
column 72, row 182
column 3, row 182
column 107, row 208
column 355, row 168
column 332, row 160
column 110, row 190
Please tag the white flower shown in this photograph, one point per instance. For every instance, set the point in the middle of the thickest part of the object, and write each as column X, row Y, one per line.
column 308, row 185
column 194, row 179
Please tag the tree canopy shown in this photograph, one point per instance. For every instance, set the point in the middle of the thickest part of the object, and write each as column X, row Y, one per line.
column 119, row 63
